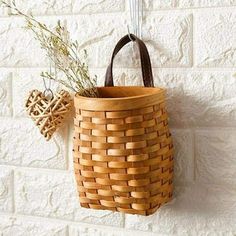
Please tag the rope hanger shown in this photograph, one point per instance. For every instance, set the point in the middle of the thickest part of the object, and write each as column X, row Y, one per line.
column 136, row 17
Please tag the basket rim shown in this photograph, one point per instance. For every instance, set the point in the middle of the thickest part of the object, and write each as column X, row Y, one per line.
column 159, row 89
column 121, row 103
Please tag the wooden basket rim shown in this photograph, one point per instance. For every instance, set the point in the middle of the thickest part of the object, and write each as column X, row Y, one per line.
column 155, row 90
column 120, row 103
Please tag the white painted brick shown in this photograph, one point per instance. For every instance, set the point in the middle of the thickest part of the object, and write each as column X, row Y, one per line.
column 196, row 210
column 10, row 226
column 173, row 4
column 41, row 7
column 99, row 36
column 215, row 39
column 6, row 193
column 24, row 81
column 169, row 42
column 5, row 93
column 20, row 47
column 3, row 10
column 94, row 6
column 29, row 54
column 54, row 195
column 205, row 200
column 90, row 231
column 183, row 156
column 23, row 145
column 199, row 98
column 69, row 6
column 49, row 195
column 96, row 34
column 101, row 217
column 82, row 230
column 215, row 156
column 168, row 39
column 194, row 98
column 120, row 76
column 207, row 3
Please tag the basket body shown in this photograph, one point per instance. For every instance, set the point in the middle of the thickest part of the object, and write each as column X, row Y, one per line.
column 123, row 152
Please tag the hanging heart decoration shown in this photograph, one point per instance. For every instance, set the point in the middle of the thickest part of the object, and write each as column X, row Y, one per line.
column 48, row 113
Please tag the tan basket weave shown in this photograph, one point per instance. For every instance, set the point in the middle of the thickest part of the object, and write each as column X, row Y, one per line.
column 123, row 150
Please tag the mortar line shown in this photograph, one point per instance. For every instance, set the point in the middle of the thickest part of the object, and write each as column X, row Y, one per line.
column 193, row 40
column 37, row 169
column 124, row 11
column 11, row 94
column 69, row 15
column 184, row 68
column 194, row 154
column 204, row 128
column 67, row 230
column 72, row 223
column 13, row 192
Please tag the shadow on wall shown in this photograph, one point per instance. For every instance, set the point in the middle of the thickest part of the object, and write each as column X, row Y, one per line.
column 204, row 194
column 201, row 106
column 202, row 113
column 198, row 100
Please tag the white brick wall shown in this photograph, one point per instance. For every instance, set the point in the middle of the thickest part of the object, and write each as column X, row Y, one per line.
column 193, row 50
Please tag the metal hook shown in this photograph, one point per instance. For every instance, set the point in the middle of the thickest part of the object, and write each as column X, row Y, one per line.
column 48, row 93
column 129, row 34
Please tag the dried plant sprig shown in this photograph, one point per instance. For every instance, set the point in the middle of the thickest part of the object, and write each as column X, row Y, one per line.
column 63, row 52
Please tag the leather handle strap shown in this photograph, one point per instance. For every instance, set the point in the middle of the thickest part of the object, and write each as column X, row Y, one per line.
column 145, row 61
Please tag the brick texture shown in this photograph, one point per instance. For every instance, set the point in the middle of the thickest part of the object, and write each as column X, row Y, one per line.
column 193, row 52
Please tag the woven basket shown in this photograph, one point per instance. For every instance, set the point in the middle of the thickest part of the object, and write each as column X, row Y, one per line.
column 122, row 145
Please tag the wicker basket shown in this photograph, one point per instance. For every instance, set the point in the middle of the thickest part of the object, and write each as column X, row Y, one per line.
column 122, row 145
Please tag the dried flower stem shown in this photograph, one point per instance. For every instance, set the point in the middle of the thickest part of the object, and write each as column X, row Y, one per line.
column 63, row 52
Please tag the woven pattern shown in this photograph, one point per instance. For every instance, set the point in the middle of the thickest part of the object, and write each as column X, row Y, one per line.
column 48, row 114
column 123, row 159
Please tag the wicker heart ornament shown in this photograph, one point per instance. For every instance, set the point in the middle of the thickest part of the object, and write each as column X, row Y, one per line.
column 48, row 114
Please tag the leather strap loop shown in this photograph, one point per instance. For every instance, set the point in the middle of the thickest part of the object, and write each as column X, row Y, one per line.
column 145, row 61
